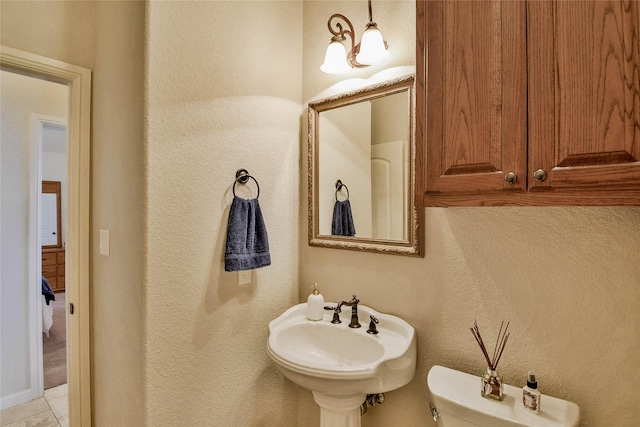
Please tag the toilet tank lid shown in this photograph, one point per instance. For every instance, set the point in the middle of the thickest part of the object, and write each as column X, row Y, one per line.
column 459, row 393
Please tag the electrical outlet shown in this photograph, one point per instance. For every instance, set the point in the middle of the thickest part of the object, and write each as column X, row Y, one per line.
column 244, row 277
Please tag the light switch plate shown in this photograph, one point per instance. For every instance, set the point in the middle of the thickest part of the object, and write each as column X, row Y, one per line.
column 104, row 242
column 244, row 277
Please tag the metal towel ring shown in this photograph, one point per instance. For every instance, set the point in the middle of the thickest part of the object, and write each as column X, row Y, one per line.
column 242, row 177
column 340, row 185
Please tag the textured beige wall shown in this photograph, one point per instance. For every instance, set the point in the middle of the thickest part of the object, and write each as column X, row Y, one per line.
column 60, row 30
column 218, row 99
column 224, row 91
column 566, row 278
column 117, row 205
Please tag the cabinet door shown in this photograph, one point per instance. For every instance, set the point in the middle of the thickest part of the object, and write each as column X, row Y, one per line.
column 475, row 95
column 584, row 96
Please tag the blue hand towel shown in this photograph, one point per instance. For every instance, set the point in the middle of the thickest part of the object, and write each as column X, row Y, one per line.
column 342, row 223
column 247, row 241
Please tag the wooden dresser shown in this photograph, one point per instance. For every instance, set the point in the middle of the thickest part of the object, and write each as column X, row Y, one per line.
column 53, row 268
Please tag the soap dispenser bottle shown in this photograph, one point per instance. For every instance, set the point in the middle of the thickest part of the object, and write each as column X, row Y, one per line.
column 531, row 395
column 315, row 304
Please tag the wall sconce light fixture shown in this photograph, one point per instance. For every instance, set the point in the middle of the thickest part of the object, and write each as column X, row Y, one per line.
column 370, row 50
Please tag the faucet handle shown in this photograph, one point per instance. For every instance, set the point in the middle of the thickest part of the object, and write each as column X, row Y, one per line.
column 372, row 325
column 336, row 315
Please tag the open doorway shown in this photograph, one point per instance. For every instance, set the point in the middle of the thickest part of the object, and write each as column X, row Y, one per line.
column 22, row 382
column 52, row 133
column 34, row 160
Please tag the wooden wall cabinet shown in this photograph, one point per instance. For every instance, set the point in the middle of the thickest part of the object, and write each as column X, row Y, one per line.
column 53, row 268
column 528, row 103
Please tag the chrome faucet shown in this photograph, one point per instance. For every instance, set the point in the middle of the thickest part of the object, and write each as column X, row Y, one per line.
column 354, row 312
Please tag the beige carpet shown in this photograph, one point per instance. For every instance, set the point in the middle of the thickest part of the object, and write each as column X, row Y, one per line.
column 54, row 347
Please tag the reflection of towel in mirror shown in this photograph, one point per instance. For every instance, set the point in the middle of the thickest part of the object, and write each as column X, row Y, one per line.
column 247, row 241
column 342, row 223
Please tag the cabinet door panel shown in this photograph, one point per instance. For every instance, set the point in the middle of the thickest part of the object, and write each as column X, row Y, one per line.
column 584, row 94
column 475, row 95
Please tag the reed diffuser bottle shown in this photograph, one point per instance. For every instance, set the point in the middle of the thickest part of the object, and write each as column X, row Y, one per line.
column 492, row 386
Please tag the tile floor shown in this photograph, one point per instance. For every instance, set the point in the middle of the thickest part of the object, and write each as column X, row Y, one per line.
column 52, row 410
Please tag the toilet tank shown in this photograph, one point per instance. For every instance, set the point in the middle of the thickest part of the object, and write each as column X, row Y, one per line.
column 456, row 396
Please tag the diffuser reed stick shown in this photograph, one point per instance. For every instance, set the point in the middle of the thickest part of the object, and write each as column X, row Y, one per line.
column 491, row 382
column 501, row 341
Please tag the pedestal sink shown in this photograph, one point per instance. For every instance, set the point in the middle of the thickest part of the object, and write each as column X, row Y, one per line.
column 342, row 365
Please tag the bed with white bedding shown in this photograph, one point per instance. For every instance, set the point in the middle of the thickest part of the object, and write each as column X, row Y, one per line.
column 47, row 307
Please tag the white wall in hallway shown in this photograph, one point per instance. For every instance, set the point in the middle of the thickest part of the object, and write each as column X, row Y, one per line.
column 20, row 98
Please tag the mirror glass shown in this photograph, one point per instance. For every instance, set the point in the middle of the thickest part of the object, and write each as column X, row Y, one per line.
column 50, row 220
column 362, row 170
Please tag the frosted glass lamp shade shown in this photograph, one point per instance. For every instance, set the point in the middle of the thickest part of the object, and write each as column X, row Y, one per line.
column 372, row 48
column 335, row 60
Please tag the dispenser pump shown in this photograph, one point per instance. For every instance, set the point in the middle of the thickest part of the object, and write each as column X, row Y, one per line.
column 315, row 304
column 531, row 380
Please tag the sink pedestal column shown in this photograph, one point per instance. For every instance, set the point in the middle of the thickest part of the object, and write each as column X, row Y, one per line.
column 339, row 411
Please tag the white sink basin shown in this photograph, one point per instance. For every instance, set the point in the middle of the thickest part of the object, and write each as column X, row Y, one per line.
column 327, row 348
column 339, row 363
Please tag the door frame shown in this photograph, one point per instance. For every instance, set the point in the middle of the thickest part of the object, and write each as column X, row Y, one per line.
column 38, row 122
column 78, row 255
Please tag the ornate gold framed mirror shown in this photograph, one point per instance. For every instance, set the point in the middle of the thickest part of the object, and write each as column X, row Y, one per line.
column 362, row 170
